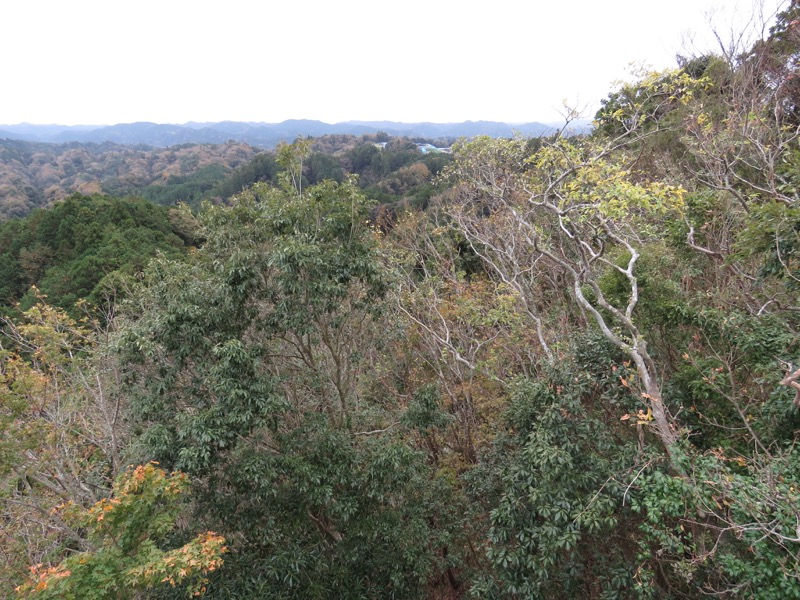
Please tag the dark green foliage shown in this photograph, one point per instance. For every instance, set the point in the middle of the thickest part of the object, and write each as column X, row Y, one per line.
column 275, row 264
column 373, row 163
column 263, row 167
column 321, row 167
column 424, row 413
column 312, row 248
column 773, row 231
column 195, row 339
column 190, row 189
column 330, row 515
column 397, row 175
column 397, row 153
column 235, row 377
column 436, row 161
column 361, row 157
column 727, row 380
column 727, row 530
column 558, row 527
column 67, row 250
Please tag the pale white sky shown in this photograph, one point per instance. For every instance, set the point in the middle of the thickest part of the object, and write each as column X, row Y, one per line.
column 172, row 61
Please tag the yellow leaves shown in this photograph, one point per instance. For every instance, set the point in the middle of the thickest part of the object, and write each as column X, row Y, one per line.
column 557, row 157
column 620, row 198
column 702, row 123
column 672, row 84
column 139, row 474
column 642, row 417
column 605, row 187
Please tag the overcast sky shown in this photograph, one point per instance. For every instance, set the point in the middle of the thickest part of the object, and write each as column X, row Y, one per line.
column 170, row 61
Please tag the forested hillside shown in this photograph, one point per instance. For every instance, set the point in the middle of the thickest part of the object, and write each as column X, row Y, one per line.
column 68, row 251
column 563, row 367
column 36, row 175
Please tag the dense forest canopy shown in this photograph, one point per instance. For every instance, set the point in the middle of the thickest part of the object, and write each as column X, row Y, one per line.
column 36, row 175
column 558, row 367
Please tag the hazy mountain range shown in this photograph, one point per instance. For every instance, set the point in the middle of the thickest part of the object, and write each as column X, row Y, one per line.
column 264, row 135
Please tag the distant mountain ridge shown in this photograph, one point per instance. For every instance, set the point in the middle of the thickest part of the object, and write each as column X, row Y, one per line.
column 265, row 135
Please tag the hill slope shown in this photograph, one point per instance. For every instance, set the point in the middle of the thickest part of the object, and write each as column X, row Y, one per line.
column 37, row 174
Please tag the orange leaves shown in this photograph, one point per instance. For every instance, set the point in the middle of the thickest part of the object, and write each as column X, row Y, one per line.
column 152, row 479
column 41, row 578
column 127, row 530
column 193, row 561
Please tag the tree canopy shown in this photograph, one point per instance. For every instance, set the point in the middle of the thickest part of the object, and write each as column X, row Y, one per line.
column 529, row 369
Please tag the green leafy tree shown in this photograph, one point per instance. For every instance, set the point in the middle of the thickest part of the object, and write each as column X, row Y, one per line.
column 323, row 166
column 558, row 516
column 68, row 249
column 262, row 168
column 729, row 530
column 124, row 535
column 247, row 369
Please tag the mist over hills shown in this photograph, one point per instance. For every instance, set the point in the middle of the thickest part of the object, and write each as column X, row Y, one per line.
column 265, row 135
